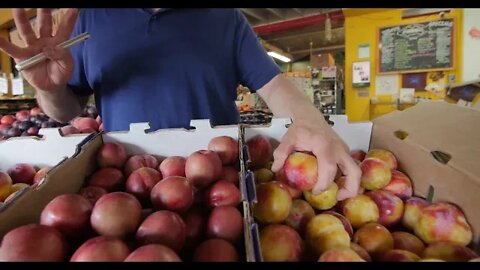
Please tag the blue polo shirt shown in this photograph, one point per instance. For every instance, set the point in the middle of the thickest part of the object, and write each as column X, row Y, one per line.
column 167, row 68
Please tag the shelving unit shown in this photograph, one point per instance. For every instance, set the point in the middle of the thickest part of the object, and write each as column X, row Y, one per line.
column 12, row 105
column 326, row 94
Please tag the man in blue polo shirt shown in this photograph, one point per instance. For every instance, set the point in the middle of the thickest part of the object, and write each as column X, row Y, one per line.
column 166, row 67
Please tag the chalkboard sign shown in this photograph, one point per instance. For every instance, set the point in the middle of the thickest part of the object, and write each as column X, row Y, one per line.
column 415, row 47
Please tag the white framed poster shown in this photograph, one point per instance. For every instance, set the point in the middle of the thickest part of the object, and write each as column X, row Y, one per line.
column 361, row 74
column 329, row 72
column 386, row 84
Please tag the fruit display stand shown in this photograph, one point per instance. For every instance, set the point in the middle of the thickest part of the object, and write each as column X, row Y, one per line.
column 436, row 146
column 51, row 150
column 73, row 173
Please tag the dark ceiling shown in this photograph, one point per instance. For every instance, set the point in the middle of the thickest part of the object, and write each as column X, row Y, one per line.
column 297, row 41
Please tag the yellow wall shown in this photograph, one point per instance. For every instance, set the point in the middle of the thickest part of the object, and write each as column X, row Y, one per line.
column 361, row 27
column 6, row 17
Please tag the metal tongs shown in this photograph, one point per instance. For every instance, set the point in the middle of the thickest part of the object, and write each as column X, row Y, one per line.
column 41, row 57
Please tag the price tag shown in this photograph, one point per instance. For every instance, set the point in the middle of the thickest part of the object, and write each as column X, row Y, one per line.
column 3, row 85
column 17, row 86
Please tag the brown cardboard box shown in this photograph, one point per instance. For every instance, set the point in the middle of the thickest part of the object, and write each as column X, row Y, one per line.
column 445, row 128
column 435, row 132
column 51, row 150
column 70, row 175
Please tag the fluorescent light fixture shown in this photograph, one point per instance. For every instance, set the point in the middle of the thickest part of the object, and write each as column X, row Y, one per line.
column 279, row 57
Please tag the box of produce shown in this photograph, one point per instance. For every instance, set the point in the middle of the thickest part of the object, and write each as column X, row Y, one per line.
column 27, row 123
column 25, row 164
column 165, row 195
column 418, row 199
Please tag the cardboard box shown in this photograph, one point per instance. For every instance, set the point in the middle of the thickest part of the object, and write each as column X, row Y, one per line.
column 51, row 150
column 356, row 135
column 71, row 175
column 433, row 130
column 441, row 149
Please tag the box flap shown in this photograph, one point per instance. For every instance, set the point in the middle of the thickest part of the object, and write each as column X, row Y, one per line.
column 355, row 135
column 169, row 142
column 439, row 126
column 46, row 151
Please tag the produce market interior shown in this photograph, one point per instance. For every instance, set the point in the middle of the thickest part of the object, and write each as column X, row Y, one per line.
column 395, row 177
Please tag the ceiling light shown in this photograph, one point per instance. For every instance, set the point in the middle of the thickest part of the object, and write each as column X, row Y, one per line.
column 280, row 57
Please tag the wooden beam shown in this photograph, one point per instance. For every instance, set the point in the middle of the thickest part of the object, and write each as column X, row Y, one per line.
column 296, row 23
column 270, row 47
column 298, row 11
column 253, row 14
column 328, row 48
column 276, row 12
column 295, row 36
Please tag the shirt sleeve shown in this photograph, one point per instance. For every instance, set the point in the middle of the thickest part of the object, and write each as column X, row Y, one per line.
column 78, row 83
column 254, row 66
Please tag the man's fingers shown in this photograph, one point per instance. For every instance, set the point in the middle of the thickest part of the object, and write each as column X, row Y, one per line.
column 23, row 25
column 45, row 22
column 326, row 173
column 66, row 25
column 11, row 49
column 352, row 177
column 282, row 152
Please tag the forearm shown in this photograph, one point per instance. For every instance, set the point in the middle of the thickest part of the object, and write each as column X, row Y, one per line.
column 61, row 105
column 285, row 100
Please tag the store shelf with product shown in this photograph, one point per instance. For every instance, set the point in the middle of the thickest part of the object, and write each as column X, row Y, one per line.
column 327, row 90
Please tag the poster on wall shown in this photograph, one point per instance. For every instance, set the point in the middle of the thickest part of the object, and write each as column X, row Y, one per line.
column 329, row 72
column 361, row 74
column 416, row 47
column 364, row 51
column 417, row 81
column 3, row 84
column 386, row 85
column 436, row 83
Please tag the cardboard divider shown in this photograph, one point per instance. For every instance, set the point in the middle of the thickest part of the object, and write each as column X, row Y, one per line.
column 67, row 177
column 45, row 151
column 242, row 186
column 52, row 149
column 256, row 242
column 250, row 184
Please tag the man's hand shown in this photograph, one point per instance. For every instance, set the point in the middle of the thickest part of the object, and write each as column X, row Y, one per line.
column 51, row 76
column 314, row 136
column 53, row 73
column 310, row 132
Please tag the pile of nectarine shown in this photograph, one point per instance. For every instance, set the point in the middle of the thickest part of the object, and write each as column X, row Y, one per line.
column 29, row 122
column 25, row 123
column 18, row 177
column 384, row 222
column 141, row 208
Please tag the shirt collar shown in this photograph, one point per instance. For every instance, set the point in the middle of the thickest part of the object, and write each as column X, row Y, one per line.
column 150, row 10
